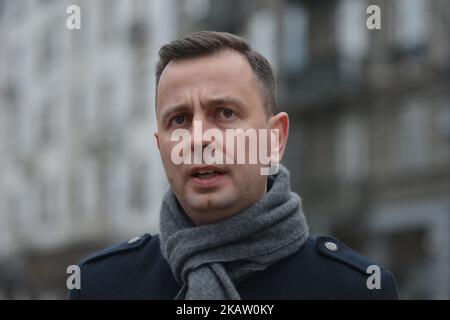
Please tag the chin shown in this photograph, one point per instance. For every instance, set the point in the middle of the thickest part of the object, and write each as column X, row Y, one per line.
column 213, row 201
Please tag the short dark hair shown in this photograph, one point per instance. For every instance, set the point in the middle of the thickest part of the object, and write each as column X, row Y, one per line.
column 208, row 42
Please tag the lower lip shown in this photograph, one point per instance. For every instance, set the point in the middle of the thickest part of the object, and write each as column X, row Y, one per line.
column 207, row 183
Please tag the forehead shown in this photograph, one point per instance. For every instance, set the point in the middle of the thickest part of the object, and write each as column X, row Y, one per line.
column 225, row 73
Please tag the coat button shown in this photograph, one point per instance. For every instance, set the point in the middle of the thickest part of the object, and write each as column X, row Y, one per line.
column 133, row 240
column 331, row 246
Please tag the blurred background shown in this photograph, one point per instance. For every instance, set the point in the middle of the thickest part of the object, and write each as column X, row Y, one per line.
column 369, row 147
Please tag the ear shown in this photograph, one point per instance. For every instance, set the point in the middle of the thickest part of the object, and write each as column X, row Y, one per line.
column 157, row 139
column 280, row 122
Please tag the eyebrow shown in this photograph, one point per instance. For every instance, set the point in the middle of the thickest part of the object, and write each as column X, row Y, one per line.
column 172, row 110
column 226, row 100
column 211, row 102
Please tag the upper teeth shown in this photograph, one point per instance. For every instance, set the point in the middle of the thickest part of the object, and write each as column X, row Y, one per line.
column 205, row 171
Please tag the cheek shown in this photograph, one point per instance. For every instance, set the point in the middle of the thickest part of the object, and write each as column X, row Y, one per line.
column 168, row 164
column 166, row 155
column 165, row 148
column 245, row 175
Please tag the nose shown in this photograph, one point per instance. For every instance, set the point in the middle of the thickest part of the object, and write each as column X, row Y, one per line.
column 199, row 126
column 200, row 123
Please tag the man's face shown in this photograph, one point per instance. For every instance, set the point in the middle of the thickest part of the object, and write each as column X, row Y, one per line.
column 221, row 91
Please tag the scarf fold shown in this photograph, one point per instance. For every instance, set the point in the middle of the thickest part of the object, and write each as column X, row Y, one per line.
column 208, row 260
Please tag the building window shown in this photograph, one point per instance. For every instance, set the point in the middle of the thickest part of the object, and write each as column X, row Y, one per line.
column 352, row 152
column 352, row 38
column 295, row 54
column 47, row 122
column 413, row 136
column 47, row 194
column 410, row 26
column 106, row 106
column 109, row 20
column 85, row 191
column 49, row 47
column 139, row 191
column 261, row 32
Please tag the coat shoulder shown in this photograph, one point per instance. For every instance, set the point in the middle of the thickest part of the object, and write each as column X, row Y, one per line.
column 323, row 268
column 121, row 270
column 346, row 268
column 334, row 249
column 119, row 249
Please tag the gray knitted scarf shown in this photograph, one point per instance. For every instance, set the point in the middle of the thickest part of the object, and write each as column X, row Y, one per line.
column 208, row 260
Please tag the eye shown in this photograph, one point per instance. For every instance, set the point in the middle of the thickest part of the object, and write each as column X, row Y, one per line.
column 178, row 120
column 226, row 113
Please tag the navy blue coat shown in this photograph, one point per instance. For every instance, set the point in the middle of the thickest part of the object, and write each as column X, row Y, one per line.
column 318, row 270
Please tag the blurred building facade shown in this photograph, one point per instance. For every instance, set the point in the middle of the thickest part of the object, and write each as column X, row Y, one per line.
column 79, row 167
column 369, row 146
column 371, row 114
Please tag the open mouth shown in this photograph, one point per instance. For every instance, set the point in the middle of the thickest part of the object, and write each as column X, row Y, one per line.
column 206, row 174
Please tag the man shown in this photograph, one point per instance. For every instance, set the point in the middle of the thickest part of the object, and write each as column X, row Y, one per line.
column 227, row 230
